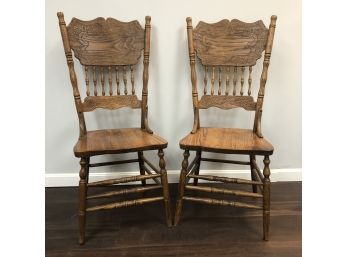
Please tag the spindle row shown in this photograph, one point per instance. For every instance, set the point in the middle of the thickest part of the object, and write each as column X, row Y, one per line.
column 237, row 74
column 98, row 74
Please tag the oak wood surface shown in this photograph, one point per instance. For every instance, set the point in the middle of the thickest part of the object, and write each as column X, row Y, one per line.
column 106, row 41
column 205, row 230
column 110, row 102
column 227, row 102
column 233, row 43
column 226, row 140
column 117, row 141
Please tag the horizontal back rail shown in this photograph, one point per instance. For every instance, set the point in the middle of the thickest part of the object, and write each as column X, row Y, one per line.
column 227, row 102
column 91, row 103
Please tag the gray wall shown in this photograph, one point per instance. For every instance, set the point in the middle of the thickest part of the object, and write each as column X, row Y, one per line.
column 170, row 104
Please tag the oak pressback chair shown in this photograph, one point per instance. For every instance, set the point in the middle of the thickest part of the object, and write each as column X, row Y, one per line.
column 108, row 50
column 227, row 50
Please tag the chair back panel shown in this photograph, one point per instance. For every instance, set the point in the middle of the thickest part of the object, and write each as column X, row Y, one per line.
column 230, row 43
column 106, row 41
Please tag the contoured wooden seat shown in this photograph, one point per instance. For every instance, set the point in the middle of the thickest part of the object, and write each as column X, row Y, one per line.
column 114, row 141
column 109, row 51
column 228, row 50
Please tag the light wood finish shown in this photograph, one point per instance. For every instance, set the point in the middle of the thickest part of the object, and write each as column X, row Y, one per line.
column 106, row 41
column 233, row 43
column 117, row 141
column 227, row 102
column 226, row 140
column 229, row 48
column 109, row 50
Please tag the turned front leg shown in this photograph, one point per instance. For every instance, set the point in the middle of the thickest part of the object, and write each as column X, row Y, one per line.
column 181, row 187
column 199, row 154
column 266, row 198
column 166, row 195
column 82, row 199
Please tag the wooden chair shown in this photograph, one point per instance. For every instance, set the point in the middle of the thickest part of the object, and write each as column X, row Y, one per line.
column 228, row 48
column 108, row 49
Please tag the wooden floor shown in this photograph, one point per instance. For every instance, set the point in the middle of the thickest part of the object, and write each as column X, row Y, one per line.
column 203, row 231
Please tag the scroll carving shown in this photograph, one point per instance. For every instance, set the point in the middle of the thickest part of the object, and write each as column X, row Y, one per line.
column 233, row 43
column 106, row 42
column 110, row 102
column 227, row 102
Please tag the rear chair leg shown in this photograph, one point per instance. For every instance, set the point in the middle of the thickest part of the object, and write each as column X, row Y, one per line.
column 181, row 188
column 266, row 198
column 82, row 199
column 253, row 171
column 141, row 165
column 166, row 195
column 199, row 154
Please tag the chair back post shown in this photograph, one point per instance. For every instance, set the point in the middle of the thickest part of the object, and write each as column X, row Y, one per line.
column 73, row 79
column 263, row 80
column 144, row 107
column 192, row 57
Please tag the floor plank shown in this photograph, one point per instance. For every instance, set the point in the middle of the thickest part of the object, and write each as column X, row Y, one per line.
column 203, row 231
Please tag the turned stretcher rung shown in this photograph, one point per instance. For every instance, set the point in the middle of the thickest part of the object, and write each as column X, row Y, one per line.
column 124, row 192
column 223, row 191
column 123, row 180
column 124, row 204
column 150, row 164
column 226, row 180
column 259, row 173
column 150, row 173
column 225, row 161
column 112, row 163
column 222, row 202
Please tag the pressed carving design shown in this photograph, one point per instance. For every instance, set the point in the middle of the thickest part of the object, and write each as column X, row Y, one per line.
column 233, row 43
column 106, row 42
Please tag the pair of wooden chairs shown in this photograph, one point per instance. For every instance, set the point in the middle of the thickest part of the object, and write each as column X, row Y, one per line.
column 109, row 50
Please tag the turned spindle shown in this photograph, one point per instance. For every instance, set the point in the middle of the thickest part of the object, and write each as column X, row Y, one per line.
column 132, row 79
column 250, row 80
column 102, row 80
column 227, row 88
column 212, row 80
column 110, row 80
column 205, row 79
column 95, row 81
column 242, row 81
column 219, row 91
column 234, row 80
column 117, row 81
column 125, row 80
column 87, row 81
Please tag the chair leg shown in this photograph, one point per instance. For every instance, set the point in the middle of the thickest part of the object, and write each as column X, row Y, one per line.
column 82, row 199
column 181, row 187
column 165, row 186
column 266, row 198
column 253, row 178
column 141, row 166
column 198, row 153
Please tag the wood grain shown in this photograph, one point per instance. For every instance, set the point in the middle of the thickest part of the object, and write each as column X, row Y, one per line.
column 226, row 140
column 227, row 102
column 117, row 141
column 110, row 102
column 233, row 43
column 106, row 41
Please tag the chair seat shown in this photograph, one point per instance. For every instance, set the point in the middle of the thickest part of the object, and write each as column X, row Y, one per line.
column 226, row 140
column 117, row 141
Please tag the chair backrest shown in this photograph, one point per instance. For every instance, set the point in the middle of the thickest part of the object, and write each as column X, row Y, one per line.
column 228, row 50
column 108, row 50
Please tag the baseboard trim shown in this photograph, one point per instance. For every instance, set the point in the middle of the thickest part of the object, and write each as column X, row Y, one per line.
column 72, row 179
